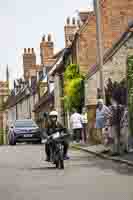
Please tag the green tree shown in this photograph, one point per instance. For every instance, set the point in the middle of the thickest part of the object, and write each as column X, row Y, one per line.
column 73, row 88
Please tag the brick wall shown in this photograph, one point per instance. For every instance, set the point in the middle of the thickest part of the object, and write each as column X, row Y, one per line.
column 115, row 17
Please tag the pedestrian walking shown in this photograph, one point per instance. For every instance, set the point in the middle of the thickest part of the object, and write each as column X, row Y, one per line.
column 76, row 125
column 85, row 124
column 101, row 112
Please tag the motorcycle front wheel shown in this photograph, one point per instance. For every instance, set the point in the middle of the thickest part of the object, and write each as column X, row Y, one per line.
column 59, row 158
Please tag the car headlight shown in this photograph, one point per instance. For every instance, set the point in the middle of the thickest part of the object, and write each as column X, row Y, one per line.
column 36, row 130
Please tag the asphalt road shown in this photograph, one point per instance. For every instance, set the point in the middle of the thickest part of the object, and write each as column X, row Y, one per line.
column 25, row 176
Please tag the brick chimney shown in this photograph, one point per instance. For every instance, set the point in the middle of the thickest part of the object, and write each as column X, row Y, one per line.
column 70, row 29
column 29, row 60
column 46, row 50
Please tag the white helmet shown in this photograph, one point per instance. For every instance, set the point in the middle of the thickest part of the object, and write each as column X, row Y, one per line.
column 100, row 101
column 53, row 113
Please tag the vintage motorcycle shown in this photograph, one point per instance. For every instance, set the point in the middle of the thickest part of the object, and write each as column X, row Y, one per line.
column 55, row 142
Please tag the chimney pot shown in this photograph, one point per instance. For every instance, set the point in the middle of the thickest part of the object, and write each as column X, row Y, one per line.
column 43, row 38
column 28, row 50
column 78, row 23
column 24, row 50
column 73, row 21
column 32, row 50
column 68, row 21
column 49, row 37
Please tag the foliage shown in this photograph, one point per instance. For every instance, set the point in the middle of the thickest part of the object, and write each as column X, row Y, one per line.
column 130, row 91
column 73, row 88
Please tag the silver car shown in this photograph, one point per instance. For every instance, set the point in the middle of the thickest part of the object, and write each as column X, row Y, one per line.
column 24, row 131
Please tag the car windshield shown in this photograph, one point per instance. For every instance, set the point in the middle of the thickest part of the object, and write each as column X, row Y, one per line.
column 25, row 124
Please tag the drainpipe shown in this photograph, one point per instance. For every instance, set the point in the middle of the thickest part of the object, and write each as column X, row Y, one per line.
column 97, row 9
column 77, row 50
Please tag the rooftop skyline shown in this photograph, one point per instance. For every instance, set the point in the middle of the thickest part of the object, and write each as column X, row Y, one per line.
column 23, row 24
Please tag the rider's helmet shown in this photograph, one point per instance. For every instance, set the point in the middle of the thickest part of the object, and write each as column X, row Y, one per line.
column 53, row 115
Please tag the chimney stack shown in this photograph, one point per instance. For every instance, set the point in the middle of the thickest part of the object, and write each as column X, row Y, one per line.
column 70, row 29
column 29, row 60
column 46, row 49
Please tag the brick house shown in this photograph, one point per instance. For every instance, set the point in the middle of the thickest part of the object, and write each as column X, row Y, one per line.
column 54, row 88
column 115, row 17
column 21, row 102
column 29, row 91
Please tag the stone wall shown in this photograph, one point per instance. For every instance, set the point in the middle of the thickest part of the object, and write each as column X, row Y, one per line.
column 115, row 69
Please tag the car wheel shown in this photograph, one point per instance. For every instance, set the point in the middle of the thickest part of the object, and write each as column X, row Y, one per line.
column 40, row 141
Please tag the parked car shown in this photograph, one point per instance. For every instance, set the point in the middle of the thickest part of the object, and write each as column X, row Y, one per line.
column 24, row 131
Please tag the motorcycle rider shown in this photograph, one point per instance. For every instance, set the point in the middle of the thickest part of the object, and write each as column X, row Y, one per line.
column 52, row 125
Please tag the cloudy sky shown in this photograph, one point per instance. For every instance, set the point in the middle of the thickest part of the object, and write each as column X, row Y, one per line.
column 23, row 22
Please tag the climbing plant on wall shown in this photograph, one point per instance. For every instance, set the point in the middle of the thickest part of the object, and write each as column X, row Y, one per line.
column 130, row 91
column 73, row 88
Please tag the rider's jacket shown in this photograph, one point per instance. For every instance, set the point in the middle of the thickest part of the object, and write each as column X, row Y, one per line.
column 51, row 127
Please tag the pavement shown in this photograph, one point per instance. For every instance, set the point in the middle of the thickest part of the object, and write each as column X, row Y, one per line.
column 102, row 151
column 24, row 175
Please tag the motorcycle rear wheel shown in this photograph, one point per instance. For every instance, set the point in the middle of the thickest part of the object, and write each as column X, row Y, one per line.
column 61, row 164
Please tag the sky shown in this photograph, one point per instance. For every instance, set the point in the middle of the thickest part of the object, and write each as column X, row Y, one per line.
column 23, row 23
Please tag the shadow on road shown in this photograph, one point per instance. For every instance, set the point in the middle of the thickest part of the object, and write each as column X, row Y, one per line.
column 41, row 168
column 106, row 165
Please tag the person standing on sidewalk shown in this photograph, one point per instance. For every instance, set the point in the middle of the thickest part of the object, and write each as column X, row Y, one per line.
column 85, row 124
column 124, row 132
column 116, row 112
column 76, row 125
column 101, row 118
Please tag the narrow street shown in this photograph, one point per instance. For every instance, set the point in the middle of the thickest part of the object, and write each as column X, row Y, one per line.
column 25, row 176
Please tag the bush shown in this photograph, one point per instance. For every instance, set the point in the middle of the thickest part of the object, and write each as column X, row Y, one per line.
column 73, row 88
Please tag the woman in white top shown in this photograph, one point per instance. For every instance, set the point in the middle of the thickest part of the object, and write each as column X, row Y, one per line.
column 85, row 124
column 76, row 125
